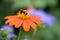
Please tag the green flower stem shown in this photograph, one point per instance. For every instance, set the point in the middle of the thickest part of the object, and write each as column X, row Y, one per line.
column 33, row 35
column 20, row 34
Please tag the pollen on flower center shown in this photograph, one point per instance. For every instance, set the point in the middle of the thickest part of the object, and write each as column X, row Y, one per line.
column 23, row 14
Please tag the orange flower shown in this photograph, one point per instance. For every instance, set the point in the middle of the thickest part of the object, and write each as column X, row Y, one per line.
column 23, row 18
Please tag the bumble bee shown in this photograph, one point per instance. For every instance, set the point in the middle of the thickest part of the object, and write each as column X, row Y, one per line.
column 23, row 11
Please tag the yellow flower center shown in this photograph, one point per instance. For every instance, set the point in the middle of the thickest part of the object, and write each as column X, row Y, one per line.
column 23, row 14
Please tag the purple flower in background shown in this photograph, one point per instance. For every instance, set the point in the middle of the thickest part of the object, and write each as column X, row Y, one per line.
column 26, row 39
column 47, row 19
column 11, row 35
column 7, row 27
column 8, row 30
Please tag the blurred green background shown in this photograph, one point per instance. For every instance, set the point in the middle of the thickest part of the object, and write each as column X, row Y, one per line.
column 9, row 7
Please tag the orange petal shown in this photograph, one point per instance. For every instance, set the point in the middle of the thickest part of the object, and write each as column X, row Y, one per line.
column 18, row 23
column 8, row 17
column 7, row 21
column 11, row 23
column 26, row 26
column 32, row 24
column 35, row 19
